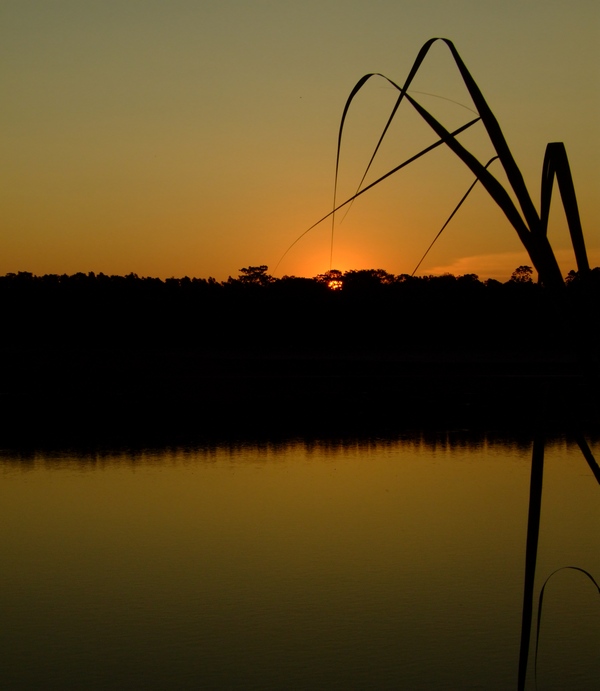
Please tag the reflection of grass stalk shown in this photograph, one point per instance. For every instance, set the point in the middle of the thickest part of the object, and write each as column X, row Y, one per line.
column 541, row 600
column 531, row 226
column 533, row 531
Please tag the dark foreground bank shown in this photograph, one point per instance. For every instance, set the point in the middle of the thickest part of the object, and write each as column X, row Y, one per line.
column 123, row 396
column 119, row 359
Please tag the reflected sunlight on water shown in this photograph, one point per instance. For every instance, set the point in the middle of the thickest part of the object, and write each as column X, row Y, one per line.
column 381, row 564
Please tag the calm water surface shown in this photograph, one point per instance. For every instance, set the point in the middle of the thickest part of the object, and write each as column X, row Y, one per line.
column 389, row 564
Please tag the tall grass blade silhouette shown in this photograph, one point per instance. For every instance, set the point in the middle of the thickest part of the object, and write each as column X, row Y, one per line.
column 556, row 165
column 531, row 226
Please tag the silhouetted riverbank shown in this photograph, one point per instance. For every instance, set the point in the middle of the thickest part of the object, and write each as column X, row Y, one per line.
column 374, row 312
column 112, row 358
column 120, row 395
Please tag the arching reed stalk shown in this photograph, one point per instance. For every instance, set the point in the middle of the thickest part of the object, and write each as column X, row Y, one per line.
column 530, row 225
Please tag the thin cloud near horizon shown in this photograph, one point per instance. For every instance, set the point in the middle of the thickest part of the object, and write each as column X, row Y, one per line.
column 500, row 265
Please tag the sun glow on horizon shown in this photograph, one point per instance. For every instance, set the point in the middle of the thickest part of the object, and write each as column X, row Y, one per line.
column 127, row 159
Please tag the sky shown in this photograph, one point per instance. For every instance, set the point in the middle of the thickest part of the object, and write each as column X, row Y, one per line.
column 196, row 137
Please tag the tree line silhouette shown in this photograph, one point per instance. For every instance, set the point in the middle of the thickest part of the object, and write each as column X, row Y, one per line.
column 91, row 356
column 365, row 310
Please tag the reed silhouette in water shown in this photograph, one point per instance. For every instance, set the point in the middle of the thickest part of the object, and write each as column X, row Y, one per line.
column 533, row 530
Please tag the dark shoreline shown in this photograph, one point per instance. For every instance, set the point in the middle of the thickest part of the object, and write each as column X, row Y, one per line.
column 119, row 360
column 116, row 397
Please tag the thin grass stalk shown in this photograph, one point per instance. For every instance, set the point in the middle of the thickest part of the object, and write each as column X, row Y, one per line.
column 358, row 86
column 424, row 93
column 366, row 189
column 456, row 208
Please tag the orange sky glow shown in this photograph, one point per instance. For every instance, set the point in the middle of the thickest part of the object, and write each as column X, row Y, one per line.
column 189, row 138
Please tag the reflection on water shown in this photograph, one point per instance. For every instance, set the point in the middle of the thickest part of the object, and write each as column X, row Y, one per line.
column 383, row 564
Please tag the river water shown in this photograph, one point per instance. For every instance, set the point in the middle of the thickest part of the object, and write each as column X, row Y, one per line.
column 374, row 564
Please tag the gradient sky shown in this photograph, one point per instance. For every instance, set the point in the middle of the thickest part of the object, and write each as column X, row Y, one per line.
column 194, row 137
